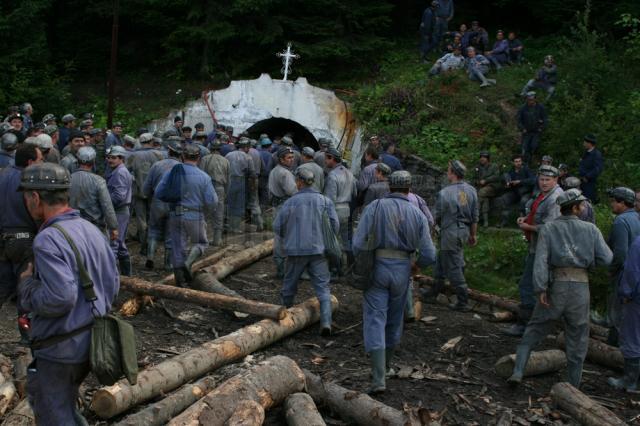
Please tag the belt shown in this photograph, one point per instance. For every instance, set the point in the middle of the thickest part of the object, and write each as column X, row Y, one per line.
column 579, row 275
column 392, row 254
column 18, row 236
column 183, row 209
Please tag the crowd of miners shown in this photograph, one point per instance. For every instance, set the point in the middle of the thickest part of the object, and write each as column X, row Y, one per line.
column 70, row 190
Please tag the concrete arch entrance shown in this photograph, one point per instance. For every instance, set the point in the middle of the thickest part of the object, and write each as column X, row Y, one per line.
column 309, row 112
column 278, row 127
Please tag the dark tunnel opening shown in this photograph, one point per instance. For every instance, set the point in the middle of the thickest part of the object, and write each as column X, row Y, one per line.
column 278, row 127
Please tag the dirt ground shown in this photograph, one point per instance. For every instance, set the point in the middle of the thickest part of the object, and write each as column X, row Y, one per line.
column 456, row 385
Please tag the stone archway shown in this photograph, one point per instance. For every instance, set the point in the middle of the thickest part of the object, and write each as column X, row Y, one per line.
column 249, row 105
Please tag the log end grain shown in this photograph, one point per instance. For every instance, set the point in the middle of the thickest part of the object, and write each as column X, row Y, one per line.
column 104, row 403
column 300, row 410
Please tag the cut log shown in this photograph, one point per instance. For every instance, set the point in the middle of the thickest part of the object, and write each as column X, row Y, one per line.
column 172, row 373
column 239, row 260
column 166, row 409
column 20, row 372
column 247, row 413
column 503, row 316
column 204, row 281
column 267, row 383
column 202, row 263
column 302, row 411
column 8, row 394
column 599, row 353
column 22, row 415
column 133, row 305
column 352, row 406
column 6, row 369
column 203, row 298
column 539, row 363
column 479, row 296
column 582, row 408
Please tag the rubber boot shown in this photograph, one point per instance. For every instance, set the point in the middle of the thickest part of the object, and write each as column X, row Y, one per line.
column 325, row 318
column 194, row 254
column 388, row 356
column 144, row 248
column 151, row 252
column 430, row 296
column 257, row 220
column 79, row 418
column 409, row 311
column 629, row 380
column 234, row 224
column 125, row 266
column 178, row 275
column 462, row 304
column 377, row 359
column 522, row 357
column 167, row 260
column 517, row 329
column 217, row 238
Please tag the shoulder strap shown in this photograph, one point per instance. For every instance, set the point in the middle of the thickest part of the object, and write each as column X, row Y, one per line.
column 85, row 279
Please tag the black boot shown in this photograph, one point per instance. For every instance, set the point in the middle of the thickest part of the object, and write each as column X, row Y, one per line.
column 462, row 304
column 430, row 296
column 125, row 266
column 178, row 276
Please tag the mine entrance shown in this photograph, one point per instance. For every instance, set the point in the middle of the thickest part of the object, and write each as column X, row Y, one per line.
column 278, row 127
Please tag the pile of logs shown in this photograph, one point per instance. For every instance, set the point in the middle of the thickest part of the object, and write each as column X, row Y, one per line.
column 13, row 392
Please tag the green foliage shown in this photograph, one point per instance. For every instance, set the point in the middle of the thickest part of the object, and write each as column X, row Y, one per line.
column 631, row 24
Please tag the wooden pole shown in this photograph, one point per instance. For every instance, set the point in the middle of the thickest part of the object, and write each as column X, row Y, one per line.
column 202, row 298
column 164, row 410
column 267, row 383
column 172, row 373
column 539, row 363
column 599, row 353
column 352, row 406
column 231, row 264
column 202, row 263
column 302, row 411
column 582, row 408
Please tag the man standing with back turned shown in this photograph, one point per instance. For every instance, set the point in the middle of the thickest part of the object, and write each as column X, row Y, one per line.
column 51, row 291
column 567, row 247
column 400, row 229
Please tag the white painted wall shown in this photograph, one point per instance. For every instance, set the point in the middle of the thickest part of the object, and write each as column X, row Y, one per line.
column 246, row 102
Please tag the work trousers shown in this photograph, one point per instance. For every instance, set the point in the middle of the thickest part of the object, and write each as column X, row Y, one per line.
column 159, row 222
column 384, row 302
column 119, row 245
column 142, row 208
column 186, row 234
column 218, row 214
column 15, row 255
column 530, row 142
column 318, row 269
column 450, row 265
column 569, row 301
column 53, row 391
column 525, row 286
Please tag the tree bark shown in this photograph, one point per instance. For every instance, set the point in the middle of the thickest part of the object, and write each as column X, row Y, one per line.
column 202, row 263
column 204, row 281
column 239, row 260
column 267, row 383
column 112, row 400
column 247, row 413
column 302, row 411
column 486, row 298
column 210, row 300
column 582, row 408
column 22, row 415
column 352, row 406
column 599, row 353
column 164, row 410
column 8, row 394
column 132, row 306
column 539, row 363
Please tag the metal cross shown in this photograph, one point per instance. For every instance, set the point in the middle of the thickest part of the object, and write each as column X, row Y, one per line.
column 287, row 56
